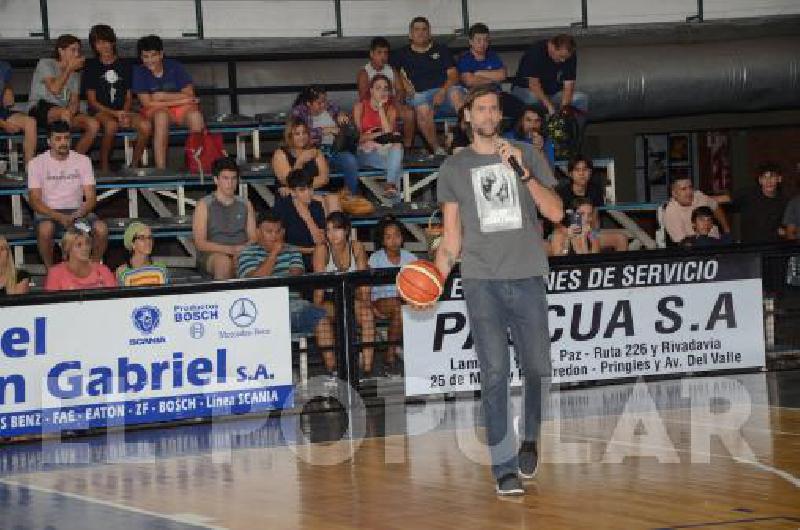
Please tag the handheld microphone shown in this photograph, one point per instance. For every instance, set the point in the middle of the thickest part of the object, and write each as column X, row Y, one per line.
column 512, row 160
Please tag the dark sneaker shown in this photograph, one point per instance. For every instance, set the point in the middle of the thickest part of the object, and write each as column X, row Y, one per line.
column 509, row 486
column 528, row 460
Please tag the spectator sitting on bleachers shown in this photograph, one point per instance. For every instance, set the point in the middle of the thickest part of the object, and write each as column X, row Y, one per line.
column 297, row 153
column 578, row 234
column 166, row 92
column 325, row 122
column 791, row 219
column 482, row 66
column 61, row 191
column 14, row 122
column 379, row 64
column 546, row 75
column 379, row 146
column 346, row 255
column 303, row 216
column 78, row 270
column 429, row 77
column 529, row 129
column 223, row 223
column 140, row 269
column 582, row 184
column 12, row 280
column 678, row 211
column 459, row 135
column 270, row 255
column 386, row 302
column 56, row 91
column 703, row 223
column 761, row 207
column 107, row 82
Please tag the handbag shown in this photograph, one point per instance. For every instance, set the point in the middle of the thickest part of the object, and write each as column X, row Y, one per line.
column 355, row 205
column 347, row 139
column 388, row 138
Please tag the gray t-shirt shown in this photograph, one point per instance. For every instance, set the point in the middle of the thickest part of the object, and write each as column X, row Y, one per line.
column 791, row 215
column 501, row 231
column 49, row 68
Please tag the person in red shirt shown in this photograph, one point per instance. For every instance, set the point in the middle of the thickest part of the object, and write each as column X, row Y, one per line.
column 78, row 271
column 379, row 146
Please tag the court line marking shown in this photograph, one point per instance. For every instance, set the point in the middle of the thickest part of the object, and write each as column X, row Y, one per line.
column 734, row 521
column 185, row 519
column 763, row 467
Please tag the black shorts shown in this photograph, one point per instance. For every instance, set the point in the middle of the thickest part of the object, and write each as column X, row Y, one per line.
column 40, row 112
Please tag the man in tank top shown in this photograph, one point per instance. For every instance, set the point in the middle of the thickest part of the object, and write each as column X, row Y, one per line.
column 223, row 223
column 379, row 64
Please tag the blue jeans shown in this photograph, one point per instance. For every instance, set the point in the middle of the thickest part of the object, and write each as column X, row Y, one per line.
column 345, row 162
column 305, row 316
column 389, row 158
column 579, row 99
column 494, row 306
column 426, row 98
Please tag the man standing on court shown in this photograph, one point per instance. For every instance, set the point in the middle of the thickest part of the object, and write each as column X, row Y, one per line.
column 490, row 220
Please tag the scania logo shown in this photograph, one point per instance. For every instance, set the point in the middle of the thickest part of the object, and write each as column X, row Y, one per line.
column 146, row 319
column 243, row 312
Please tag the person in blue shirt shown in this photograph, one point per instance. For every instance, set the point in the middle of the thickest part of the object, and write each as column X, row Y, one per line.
column 166, row 92
column 530, row 129
column 480, row 65
column 386, row 302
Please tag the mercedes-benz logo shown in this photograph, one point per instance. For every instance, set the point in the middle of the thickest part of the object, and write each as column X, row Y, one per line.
column 243, row 312
column 197, row 330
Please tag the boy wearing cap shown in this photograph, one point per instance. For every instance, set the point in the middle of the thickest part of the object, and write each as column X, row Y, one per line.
column 140, row 269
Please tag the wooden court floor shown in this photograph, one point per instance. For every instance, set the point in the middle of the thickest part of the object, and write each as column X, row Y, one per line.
column 626, row 456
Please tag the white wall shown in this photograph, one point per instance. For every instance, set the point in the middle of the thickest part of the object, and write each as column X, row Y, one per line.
column 605, row 12
column 523, row 14
column 387, row 17
column 19, row 18
column 309, row 18
column 267, row 18
column 749, row 8
column 130, row 19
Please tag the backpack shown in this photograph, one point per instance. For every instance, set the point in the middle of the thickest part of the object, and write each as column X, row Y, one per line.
column 563, row 130
column 202, row 150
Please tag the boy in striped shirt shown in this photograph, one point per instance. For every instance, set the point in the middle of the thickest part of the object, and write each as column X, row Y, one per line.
column 271, row 256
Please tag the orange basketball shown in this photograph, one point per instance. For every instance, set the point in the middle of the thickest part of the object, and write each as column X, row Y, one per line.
column 420, row 283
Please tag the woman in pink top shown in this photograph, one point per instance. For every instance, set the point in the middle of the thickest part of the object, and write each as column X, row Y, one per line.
column 379, row 146
column 78, row 271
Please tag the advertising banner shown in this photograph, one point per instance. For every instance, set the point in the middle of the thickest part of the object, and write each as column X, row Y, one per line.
column 609, row 321
column 79, row 365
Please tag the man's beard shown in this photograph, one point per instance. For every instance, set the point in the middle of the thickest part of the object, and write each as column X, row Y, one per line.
column 484, row 132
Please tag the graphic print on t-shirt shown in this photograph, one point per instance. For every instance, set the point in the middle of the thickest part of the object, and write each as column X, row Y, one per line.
column 111, row 77
column 496, row 198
